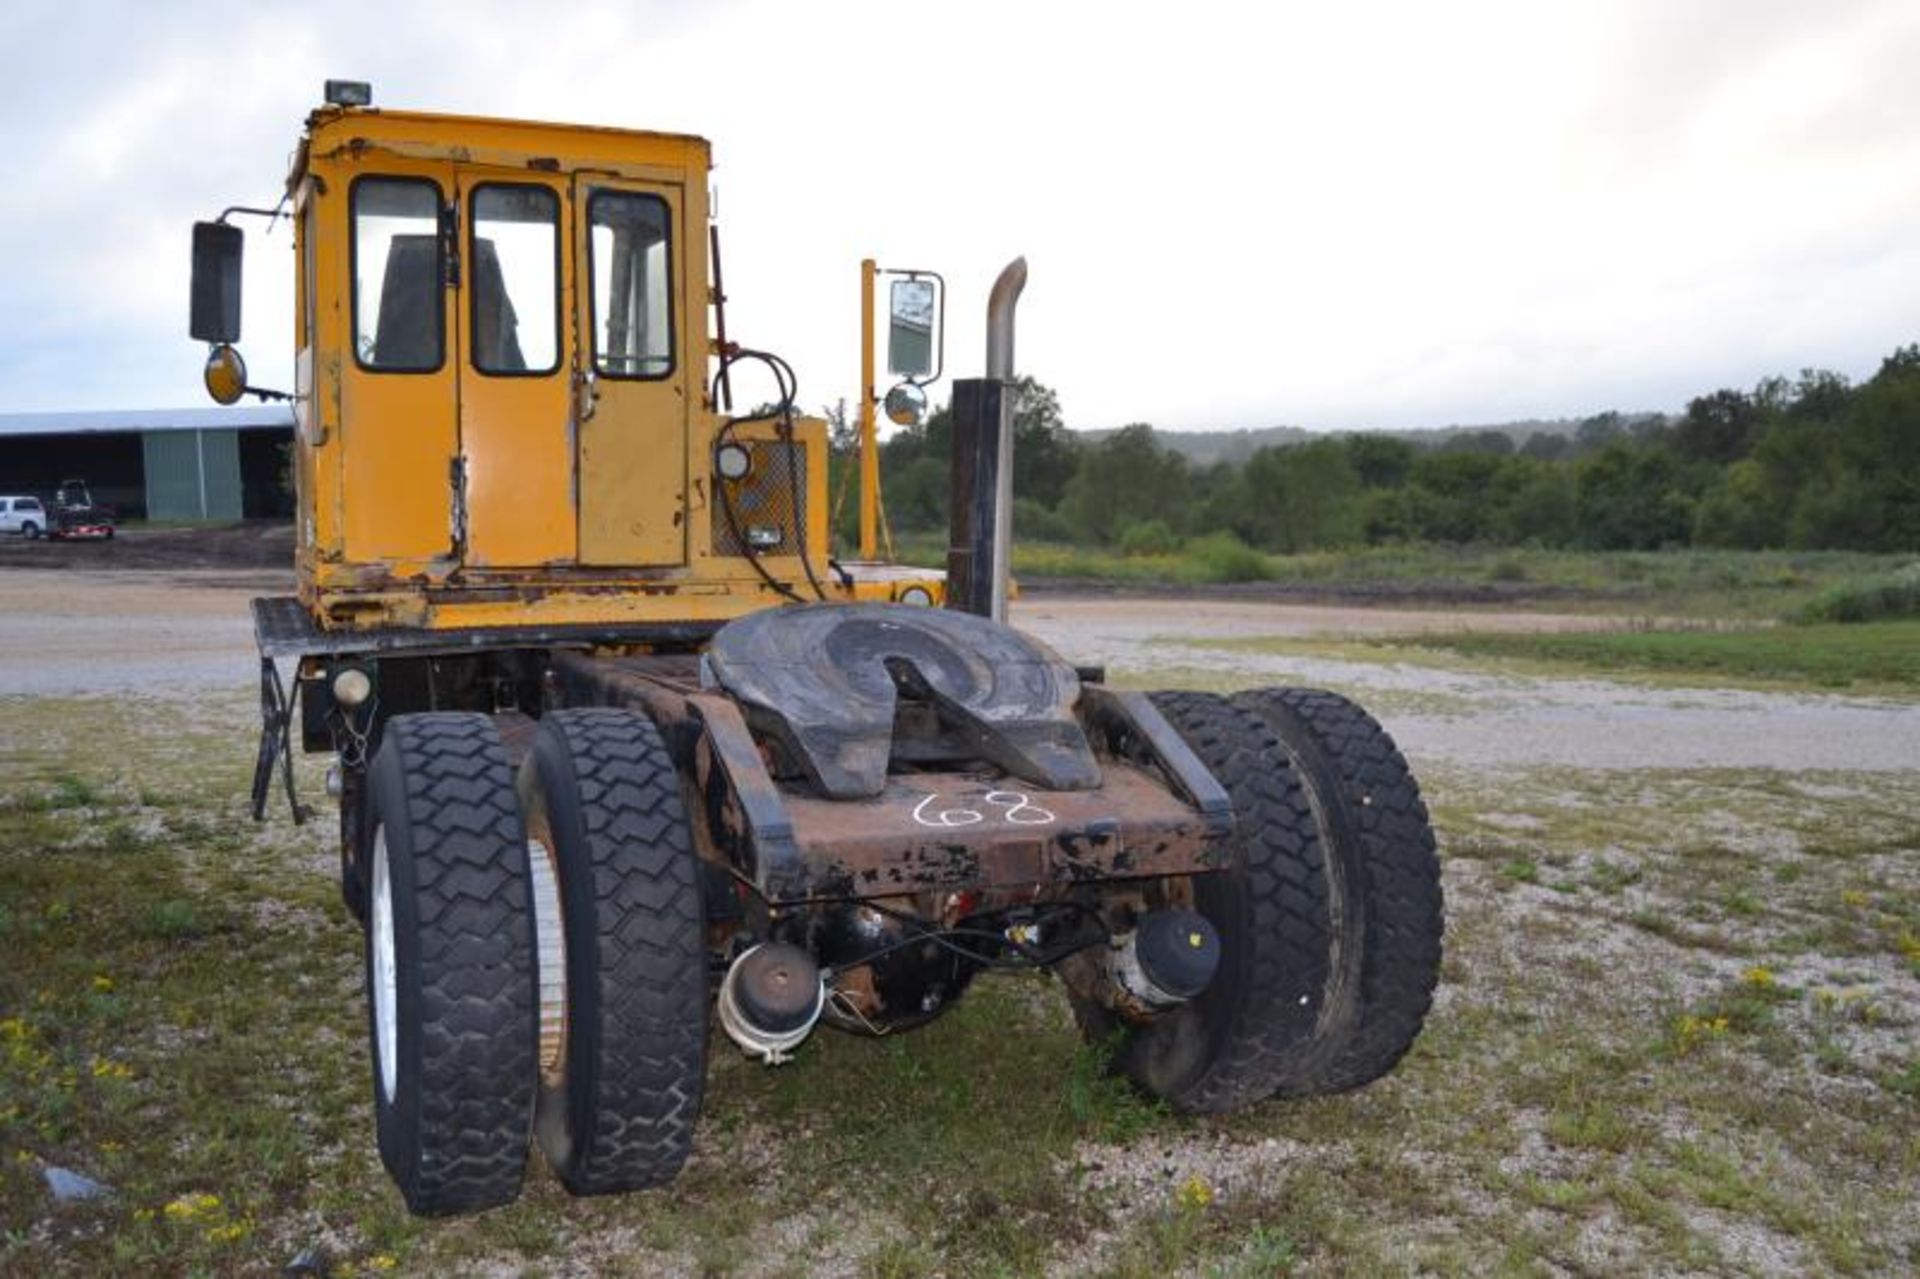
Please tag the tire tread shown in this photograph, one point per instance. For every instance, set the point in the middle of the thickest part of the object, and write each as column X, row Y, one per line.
column 1278, row 865
column 650, row 944
column 477, row 1054
column 1384, row 839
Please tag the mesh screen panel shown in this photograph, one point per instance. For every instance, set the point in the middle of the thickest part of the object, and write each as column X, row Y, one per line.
column 764, row 501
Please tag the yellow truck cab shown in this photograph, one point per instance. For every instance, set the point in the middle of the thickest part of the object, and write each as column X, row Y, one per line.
column 503, row 398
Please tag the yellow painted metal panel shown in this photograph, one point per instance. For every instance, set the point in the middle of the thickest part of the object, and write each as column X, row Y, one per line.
column 523, row 143
column 633, row 443
column 398, row 434
column 516, row 436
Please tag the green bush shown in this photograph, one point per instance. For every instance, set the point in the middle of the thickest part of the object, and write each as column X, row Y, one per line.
column 1222, row 557
column 1867, row 599
column 1034, row 521
column 1149, row 537
column 1508, row 568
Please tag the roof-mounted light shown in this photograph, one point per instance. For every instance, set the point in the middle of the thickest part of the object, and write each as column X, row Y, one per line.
column 349, row 93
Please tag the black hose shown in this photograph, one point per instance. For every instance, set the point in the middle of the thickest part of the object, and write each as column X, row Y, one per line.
column 1030, row 956
column 781, row 413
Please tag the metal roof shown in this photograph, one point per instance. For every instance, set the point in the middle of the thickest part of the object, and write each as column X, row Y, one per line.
column 101, row 421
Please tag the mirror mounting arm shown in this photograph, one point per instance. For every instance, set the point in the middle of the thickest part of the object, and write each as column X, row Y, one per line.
column 276, row 213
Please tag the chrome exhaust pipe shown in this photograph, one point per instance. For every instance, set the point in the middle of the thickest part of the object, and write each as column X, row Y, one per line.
column 980, row 541
column 1000, row 307
column 1000, row 304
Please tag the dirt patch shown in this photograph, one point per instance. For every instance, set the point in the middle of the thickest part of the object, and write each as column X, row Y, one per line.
column 249, row 544
column 1429, row 591
column 1136, row 614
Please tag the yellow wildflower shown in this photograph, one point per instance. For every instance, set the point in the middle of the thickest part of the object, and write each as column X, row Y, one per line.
column 107, row 1068
column 189, row 1207
column 383, row 1261
column 1760, row 977
column 1853, row 897
column 103, row 983
column 1689, row 1031
column 1194, row 1193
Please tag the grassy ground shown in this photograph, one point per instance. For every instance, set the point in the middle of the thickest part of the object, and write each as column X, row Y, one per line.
column 1676, row 1031
column 1735, row 584
column 1870, row 654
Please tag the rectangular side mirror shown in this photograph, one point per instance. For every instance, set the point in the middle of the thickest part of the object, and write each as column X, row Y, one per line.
column 217, row 249
column 913, row 318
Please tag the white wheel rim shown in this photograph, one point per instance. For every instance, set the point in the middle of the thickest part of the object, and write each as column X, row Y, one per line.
column 550, row 946
column 386, row 1046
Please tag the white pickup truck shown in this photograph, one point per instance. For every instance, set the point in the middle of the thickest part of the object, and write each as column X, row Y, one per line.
column 23, row 515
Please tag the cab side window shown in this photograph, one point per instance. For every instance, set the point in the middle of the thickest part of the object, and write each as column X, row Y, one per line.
column 399, row 321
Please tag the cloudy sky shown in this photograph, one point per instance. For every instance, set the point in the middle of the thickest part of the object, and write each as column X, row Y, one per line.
column 1360, row 215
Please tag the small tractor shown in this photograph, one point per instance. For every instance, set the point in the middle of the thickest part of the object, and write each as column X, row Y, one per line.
column 622, row 749
column 75, row 514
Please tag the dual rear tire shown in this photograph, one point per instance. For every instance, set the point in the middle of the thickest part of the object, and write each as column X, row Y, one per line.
column 1329, row 915
column 536, row 959
column 477, row 1039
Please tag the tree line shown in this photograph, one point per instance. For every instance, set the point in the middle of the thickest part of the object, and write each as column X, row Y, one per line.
column 1808, row 462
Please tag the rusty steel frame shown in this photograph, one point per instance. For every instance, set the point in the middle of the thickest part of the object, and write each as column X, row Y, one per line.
column 1157, row 811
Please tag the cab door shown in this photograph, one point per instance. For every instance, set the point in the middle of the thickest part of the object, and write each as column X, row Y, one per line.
column 516, row 443
column 631, row 260
column 398, row 483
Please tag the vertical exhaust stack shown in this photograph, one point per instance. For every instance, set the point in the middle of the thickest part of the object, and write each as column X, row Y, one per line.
column 980, row 543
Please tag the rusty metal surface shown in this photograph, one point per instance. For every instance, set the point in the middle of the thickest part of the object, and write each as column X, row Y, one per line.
column 516, row 734
column 947, row 830
column 925, row 830
column 283, row 627
column 1134, row 726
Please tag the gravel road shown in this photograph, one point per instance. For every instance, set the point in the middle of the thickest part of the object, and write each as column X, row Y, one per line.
column 1466, row 717
column 187, row 633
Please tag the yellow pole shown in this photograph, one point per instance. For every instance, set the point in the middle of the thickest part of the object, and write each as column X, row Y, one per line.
column 869, row 446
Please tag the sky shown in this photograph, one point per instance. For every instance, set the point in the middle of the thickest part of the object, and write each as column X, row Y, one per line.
column 1356, row 216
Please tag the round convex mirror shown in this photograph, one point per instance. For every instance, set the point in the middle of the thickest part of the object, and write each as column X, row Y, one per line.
column 225, row 375
column 906, row 405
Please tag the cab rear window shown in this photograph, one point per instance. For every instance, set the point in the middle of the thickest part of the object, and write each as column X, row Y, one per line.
column 515, row 279
column 399, row 318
